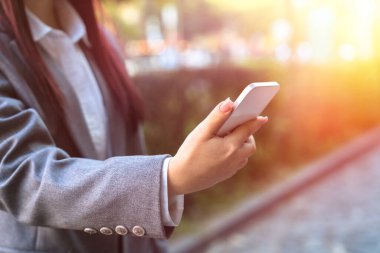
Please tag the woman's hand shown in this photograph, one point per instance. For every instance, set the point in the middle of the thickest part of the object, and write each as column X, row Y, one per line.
column 205, row 159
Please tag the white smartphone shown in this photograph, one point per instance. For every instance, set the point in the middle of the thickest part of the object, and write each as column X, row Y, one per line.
column 250, row 104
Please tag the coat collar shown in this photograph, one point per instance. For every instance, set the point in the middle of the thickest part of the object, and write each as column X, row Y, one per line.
column 68, row 18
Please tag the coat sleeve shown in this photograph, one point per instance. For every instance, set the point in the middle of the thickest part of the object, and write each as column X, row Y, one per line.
column 41, row 185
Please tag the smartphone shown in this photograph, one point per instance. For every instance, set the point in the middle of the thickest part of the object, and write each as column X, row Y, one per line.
column 250, row 104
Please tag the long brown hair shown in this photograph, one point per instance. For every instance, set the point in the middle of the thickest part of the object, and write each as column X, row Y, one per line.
column 14, row 22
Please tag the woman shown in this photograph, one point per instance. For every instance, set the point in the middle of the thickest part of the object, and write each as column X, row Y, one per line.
column 72, row 174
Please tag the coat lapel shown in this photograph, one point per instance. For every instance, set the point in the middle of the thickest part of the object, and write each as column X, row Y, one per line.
column 74, row 115
column 74, row 118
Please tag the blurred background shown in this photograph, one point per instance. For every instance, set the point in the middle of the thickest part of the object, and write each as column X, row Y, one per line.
column 186, row 56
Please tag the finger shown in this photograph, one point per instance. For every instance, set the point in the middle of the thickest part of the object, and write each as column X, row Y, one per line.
column 241, row 133
column 248, row 148
column 250, row 139
column 243, row 163
column 211, row 124
column 260, row 121
column 239, row 165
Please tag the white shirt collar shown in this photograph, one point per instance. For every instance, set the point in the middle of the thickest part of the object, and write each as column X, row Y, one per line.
column 71, row 23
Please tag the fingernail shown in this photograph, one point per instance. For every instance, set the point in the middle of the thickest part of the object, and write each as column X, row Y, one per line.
column 226, row 105
column 263, row 118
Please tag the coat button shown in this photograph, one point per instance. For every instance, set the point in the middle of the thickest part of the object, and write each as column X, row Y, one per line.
column 138, row 231
column 121, row 230
column 90, row 231
column 106, row 231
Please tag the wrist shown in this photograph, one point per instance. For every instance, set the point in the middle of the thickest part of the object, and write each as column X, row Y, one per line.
column 174, row 184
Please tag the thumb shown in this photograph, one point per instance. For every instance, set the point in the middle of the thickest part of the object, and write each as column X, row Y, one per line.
column 211, row 124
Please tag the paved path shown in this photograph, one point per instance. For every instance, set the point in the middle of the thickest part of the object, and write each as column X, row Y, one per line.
column 339, row 214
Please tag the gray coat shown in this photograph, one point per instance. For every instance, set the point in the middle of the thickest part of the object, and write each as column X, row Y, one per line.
column 48, row 196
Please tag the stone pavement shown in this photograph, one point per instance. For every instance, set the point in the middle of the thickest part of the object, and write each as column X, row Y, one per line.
column 339, row 214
